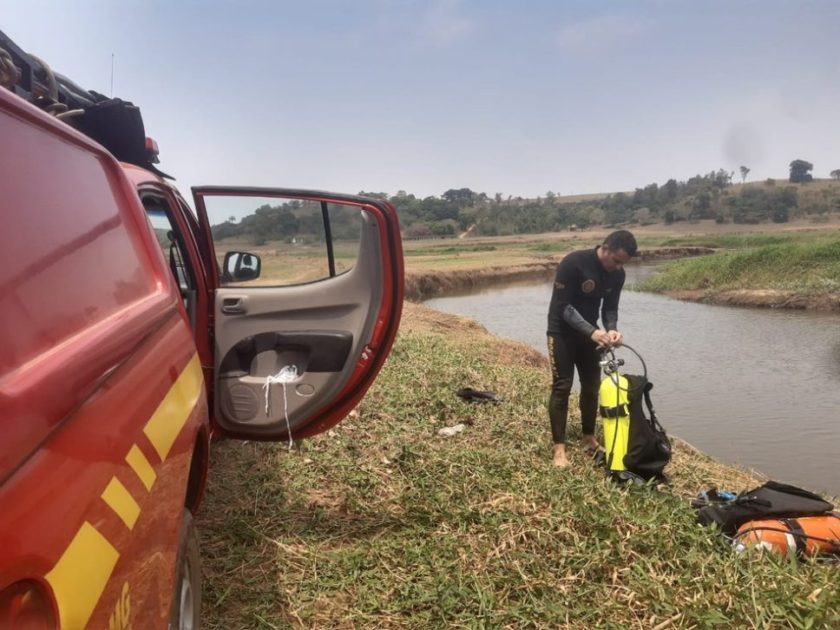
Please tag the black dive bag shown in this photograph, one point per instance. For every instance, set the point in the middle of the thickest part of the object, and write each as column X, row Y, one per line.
column 771, row 500
column 648, row 446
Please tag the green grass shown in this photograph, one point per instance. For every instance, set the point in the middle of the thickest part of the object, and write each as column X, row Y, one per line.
column 553, row 247
column 810, row 268
column 453, row 250
column 734, row 240
column 730, row 241
column 383, row 524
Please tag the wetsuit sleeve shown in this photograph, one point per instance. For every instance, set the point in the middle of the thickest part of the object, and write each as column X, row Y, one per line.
column 576, row 321
column 567, row 278
column 609, row 309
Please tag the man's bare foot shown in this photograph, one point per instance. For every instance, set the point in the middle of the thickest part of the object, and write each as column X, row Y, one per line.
column 560, row 460
column 589, row 443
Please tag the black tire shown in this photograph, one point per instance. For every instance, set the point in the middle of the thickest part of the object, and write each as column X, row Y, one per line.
column 186, row 596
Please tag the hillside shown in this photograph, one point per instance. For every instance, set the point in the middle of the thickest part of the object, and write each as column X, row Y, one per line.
column 466, row 213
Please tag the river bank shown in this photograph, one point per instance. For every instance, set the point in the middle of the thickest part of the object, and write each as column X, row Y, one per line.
column 792, row 274
column 760, row 298
column 382, row 522
column 422, row 284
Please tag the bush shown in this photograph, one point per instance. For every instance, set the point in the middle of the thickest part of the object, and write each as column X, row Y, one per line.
column 781, row 215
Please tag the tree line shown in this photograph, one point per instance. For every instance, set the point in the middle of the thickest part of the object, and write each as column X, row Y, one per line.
column 459, row 210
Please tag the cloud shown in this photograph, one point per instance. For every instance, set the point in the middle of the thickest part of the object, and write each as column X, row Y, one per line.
column 600, row 32
column 444, row 24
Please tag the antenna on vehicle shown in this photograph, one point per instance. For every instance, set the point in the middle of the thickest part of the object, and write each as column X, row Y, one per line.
column 112, row 75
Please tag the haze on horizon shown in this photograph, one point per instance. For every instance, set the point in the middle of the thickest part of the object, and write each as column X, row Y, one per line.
column 424, row 96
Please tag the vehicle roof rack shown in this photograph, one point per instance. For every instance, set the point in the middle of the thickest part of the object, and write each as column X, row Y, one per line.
column 115, row 124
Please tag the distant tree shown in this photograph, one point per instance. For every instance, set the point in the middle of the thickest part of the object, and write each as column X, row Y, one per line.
column 700, row 207
column 670, row 190
column 220, row 231
column 835, row 174
column 722, row 178
column 459, row 196
column 418, row 230
column 744, row 172
column 780, row 215
column 618, row 209
column 642, row 216
column 799, row 172
column 647, row 197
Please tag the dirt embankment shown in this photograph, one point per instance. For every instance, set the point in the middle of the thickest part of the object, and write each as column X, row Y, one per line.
column 761, row 298
column 423, row 285
column 672, row 253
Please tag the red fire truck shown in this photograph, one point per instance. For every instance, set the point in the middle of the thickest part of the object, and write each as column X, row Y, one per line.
column 129, row 337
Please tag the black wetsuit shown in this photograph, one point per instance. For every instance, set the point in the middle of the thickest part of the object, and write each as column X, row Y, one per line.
column 582, row 287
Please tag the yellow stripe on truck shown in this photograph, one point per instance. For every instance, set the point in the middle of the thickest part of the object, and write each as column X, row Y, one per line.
column 140, row 465
column 120, row 500
column 81, row 574
column 172, row 413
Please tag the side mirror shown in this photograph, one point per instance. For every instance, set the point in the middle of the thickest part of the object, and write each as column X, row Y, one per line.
column 241, row 266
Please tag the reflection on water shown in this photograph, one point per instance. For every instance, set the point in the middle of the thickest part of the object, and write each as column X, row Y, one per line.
column 760, row 388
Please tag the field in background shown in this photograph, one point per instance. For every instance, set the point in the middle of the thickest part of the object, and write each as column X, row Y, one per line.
column 442, row 255
column 285, row 263
column 794, row 261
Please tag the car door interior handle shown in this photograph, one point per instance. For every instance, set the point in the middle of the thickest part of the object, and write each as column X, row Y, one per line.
column 233, row 306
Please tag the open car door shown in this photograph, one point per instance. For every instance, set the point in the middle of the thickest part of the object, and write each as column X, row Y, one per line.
column 308, row 290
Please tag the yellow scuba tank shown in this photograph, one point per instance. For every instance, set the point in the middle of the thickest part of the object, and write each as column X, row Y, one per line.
column 615, row 412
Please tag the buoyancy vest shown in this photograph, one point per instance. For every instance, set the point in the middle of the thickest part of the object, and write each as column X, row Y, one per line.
column 772, row 500
column 803, row 536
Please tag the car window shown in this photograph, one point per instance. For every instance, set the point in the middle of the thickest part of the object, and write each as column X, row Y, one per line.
column 295, row 241
column 172, row 245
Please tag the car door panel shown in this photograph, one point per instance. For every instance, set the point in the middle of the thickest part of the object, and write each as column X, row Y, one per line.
column 288, row 357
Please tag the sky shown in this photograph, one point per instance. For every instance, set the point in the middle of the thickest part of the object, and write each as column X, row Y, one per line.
column 517, row 97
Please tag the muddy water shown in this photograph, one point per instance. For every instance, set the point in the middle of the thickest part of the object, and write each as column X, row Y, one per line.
column 760, row 388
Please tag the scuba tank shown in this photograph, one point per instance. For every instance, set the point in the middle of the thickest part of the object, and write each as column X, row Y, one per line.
column 614, row 406
column 636, row 447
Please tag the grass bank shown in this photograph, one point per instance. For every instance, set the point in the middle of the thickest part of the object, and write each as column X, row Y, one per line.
column 803, row 273
column 381, row 523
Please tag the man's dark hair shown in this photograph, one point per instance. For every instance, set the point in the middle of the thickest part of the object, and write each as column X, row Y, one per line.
column 622, row 239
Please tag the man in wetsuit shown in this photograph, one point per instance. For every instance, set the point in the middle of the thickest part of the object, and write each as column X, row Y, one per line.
column 586, row 281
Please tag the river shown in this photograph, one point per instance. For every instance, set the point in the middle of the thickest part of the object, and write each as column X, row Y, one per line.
column 759, row 388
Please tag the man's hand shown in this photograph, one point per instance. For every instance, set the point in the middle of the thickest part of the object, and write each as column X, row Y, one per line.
column 607, row 338
column 601, row 337
column 616, row 338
